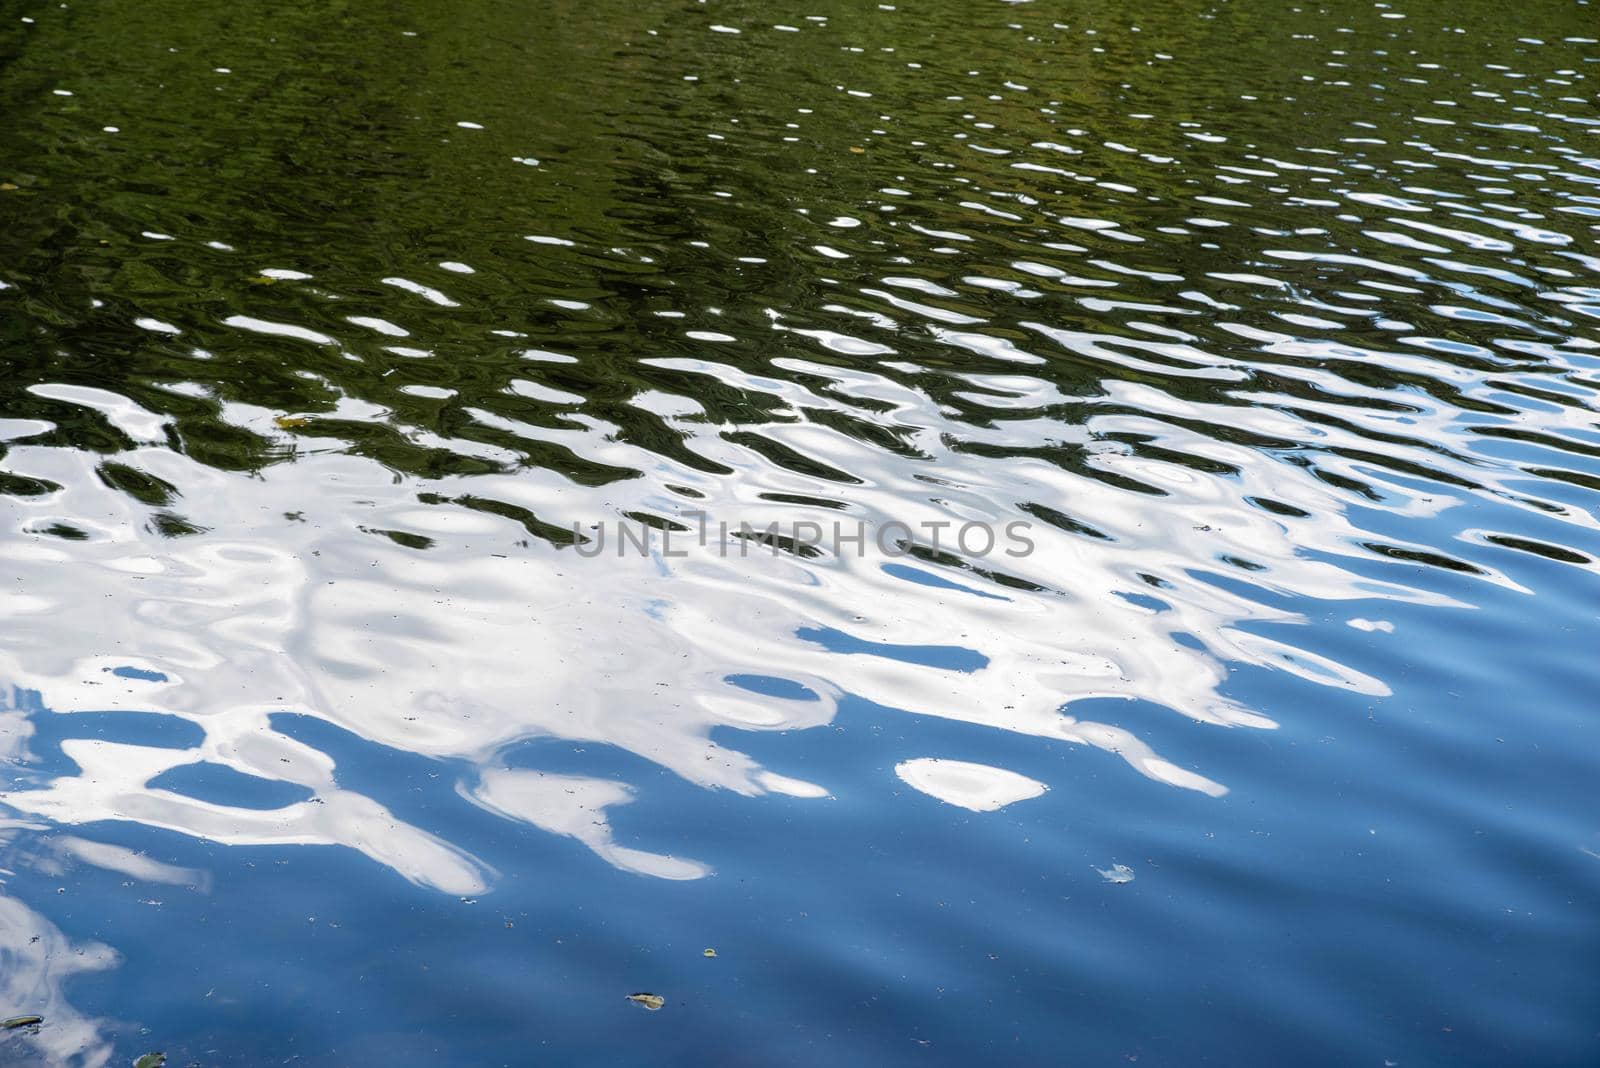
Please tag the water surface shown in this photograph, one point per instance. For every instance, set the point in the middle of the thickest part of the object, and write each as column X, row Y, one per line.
column 336, row 336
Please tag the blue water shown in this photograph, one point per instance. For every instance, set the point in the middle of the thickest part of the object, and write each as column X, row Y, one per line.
column 332, row 332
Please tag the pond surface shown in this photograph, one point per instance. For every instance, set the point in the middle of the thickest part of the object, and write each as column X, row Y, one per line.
column 467, row 509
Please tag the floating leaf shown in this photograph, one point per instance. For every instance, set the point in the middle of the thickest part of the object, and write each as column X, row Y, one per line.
column 1117, row 873
column 7, row 186
column 262, row 280
column 151, row 1060
column 857, row 150
column 653, row 1002
column 20, row 1021
column 291, row 422
column 709, row 953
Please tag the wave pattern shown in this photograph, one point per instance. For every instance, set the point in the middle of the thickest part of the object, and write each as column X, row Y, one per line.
column 313, row 422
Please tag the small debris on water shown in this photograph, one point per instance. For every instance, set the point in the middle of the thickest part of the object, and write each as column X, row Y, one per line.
column 653, row 1002
column 1117, row 873
column 20, row 1021
column 151, row 1060
column 709, row 953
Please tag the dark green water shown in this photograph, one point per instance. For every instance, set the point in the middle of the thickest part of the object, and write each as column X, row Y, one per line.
column 341, row 343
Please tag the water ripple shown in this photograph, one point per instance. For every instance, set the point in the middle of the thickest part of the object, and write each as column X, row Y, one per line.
column 1243, row 349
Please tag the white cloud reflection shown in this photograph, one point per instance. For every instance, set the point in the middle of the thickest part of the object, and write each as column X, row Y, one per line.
column 36, row 962
column 289, row 601
column 576, row 807
column 978, row 787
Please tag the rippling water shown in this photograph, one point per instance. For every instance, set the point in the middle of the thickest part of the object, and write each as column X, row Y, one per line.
column 342, row 342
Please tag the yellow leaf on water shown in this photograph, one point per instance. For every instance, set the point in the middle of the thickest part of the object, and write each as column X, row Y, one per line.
column 261, row 280
column 7, row 186
column 857, row 150
column 709, row 953
column 291, row 422
column 653, row 1002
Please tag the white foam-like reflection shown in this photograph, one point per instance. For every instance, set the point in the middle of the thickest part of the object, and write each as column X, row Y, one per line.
column 288, row 602
column 978, row 787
